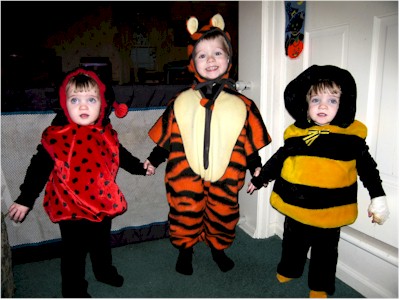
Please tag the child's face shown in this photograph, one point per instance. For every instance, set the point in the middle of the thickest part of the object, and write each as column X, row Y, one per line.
column 83, row 106
column 322, row 107
column 211, row 60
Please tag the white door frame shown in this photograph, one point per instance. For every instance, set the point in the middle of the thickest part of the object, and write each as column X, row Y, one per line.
column 265, row 68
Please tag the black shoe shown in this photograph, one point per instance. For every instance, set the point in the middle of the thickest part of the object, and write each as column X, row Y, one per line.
column 74, row 288
column 111, row 278
column 224, row 262
column 76, row 295
column 115, row 280
column 184, row 262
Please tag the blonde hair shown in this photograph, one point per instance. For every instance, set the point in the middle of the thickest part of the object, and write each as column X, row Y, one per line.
column 323, row 87
column 216, row 35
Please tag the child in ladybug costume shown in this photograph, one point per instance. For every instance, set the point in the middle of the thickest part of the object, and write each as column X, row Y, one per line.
column 316, row 172
column 210, row 135
column 81, row 161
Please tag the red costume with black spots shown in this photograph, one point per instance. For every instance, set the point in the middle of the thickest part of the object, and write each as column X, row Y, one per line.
column 82, row 184
column 80, row 164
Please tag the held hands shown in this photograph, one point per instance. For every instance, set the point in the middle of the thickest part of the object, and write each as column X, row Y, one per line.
column 150, row 169
column 257, row 172
column 251, row 187
column 378, row 210
column 17, row 212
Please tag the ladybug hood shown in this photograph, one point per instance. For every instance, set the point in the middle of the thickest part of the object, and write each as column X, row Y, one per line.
column 296, row 91
column 121, row 109
column 216, row 24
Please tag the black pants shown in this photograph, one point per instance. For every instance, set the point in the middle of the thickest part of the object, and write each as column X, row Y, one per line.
column 79, row 238
column 297, row 240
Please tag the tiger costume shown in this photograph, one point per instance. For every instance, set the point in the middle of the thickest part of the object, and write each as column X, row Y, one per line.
column 210, row 135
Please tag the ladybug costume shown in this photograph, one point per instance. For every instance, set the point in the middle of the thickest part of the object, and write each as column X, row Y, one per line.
column 82, row 184
column 80, row 164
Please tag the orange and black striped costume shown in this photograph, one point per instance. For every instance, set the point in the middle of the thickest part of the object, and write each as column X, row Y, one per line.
column 204, row 202
column 211, row 135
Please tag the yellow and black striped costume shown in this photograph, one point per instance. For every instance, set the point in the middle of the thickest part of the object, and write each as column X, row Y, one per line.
column 316, row 174
column 317, row 184
column 204, row 201
column 316, row 170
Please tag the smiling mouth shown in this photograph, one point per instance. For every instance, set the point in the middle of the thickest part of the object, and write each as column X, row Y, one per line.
column 212, row 68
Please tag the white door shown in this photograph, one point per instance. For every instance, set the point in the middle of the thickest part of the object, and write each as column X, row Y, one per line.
column 359, row 36
column 363, row 38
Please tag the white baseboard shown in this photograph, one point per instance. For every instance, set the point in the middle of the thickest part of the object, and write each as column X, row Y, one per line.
column 246, row 227
column 362, row 284
column 365, row 264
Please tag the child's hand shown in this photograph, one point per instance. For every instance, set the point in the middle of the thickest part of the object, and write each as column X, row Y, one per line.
column 378, row 210
column 257, row 172
column 251, row 188
column 18, row 212
column 150, row 169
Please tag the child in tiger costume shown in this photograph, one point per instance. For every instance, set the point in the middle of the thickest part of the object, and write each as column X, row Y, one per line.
column 210, row 135
column 315, row 175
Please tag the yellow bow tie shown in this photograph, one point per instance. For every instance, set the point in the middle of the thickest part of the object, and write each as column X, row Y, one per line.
column 313, row 134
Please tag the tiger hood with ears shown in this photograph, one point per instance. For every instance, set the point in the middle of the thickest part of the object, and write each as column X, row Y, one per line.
column 216, row 24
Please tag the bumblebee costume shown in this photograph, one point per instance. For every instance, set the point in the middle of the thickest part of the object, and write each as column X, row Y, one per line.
column 315, row 175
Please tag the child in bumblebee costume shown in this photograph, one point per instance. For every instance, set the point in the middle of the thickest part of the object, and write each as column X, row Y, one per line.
column 315, row 174
column 210, row 135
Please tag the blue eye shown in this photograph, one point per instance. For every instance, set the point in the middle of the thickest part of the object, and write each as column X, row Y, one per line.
column 314, row 100
column 333, row 101
column 74, row 100
column 92, row 100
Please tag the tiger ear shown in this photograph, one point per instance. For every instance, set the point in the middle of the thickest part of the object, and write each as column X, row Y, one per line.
column 218, row 21
column 192, row 25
